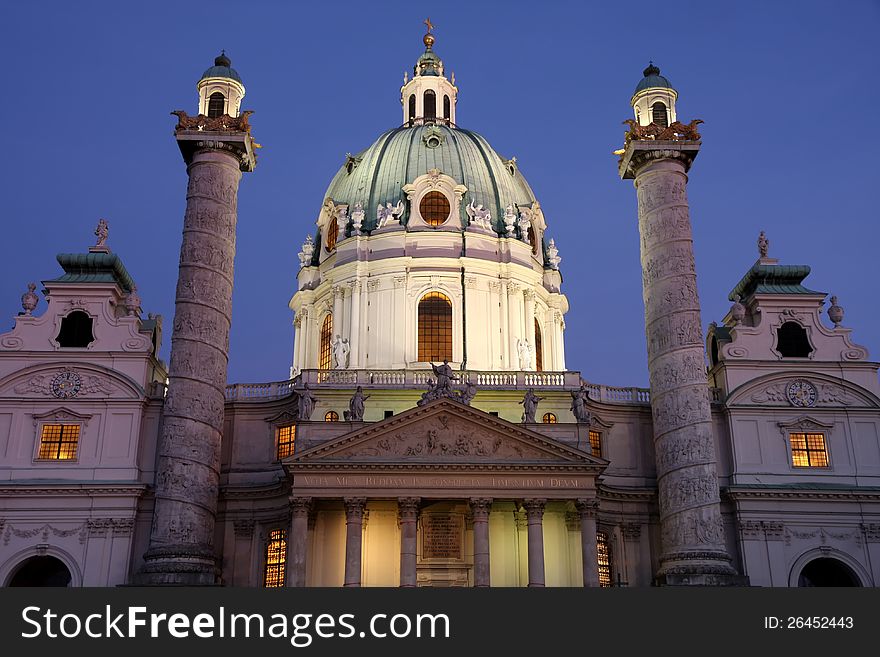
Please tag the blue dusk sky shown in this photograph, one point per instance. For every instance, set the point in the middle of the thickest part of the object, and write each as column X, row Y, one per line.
column 788, row 92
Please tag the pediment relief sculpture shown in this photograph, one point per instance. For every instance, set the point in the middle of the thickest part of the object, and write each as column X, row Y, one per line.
column 804, row 392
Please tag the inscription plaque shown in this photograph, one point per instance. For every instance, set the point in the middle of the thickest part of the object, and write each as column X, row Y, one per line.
column 442, row 536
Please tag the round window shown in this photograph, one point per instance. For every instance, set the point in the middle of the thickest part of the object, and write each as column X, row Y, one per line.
column 434, row 208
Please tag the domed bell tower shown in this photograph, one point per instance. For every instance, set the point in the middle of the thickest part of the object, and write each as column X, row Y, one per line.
column 217, row 147
column 654, row 99
column 429, row 97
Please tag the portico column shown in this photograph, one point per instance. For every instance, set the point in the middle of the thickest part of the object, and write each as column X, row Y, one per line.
column 587, row 510
column 535, row 513
column 408, row 515
column 480, row 508
column 354, row 526
column 298, row 540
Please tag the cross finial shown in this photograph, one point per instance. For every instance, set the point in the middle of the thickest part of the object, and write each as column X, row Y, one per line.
column 429, row 24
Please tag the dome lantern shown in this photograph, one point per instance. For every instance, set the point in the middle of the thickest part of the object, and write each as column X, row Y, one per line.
column 429, row 97
column 220, row 89
column 654, row 98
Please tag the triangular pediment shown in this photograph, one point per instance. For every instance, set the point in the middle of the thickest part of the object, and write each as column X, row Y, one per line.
column 445, row 431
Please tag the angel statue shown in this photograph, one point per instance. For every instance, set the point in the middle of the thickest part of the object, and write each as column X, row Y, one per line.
column 101, row 232
column 479, row 215
column 388, row 214
column 340, row 349
column 509, row 220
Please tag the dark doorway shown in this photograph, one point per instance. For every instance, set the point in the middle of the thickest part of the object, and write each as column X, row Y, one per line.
column 41, row 571
column 827, row 572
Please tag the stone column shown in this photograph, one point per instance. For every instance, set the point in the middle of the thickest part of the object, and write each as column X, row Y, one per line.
column 530, row 325
column 297, row 342
column 338, row 314
column 535, row 513
column 505, row 330
column 309, row 351
column 354, row 324
column 181, row 547
column 354, row 528
column 480, row 508
column 514, row 323
column 587, row 511
column 408, row 516
column 559, row 323
column 297, row 543
column 692, row 534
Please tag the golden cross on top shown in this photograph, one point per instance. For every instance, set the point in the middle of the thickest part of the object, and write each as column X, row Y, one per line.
column 429, row 24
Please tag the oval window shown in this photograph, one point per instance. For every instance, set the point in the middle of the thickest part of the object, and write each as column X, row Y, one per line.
column 434, row 208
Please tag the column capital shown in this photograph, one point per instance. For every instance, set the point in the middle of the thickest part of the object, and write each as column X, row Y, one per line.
column 354, row 508
column 529, row 294
column 300, row 505
column 534, row 507
column 480, row 508
column 408, row 508
column 587, row 507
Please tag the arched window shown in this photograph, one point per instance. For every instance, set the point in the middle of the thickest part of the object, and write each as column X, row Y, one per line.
column 606, row 563
column 41, row 571
column 539, row 348
column 430, row 100
column 435, row 328
column 216, row 105
column 76, row 331
column 826, row 571
column 324, row 350
column 332, row 234
column 713, row 351
column 412, row 108
column 658, row 114
column 549, row 418
column 434, row 208
column 276, row 559
column 447, row 107
column 792, row 341
column 331, row 416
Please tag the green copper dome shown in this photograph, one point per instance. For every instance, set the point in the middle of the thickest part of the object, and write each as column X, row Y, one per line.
column 377, row 174
column 652, row 79
column 222, row 68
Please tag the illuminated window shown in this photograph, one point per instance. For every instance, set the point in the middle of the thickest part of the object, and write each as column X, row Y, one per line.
column 331, row 416
column 658, row 115
column 216, row 105
column 76, row 331
column 435, row 328
column 58, row 442
column 595, row 443
column 603, row 551
column 332, row 233
column 792, row 341
column 539, row 348
column 434, row 208
column 808, row 450
column 324, row 346
column 549, row 418
column 276, row 559
column 286, row 438
column 412, row 108
column 430, row 105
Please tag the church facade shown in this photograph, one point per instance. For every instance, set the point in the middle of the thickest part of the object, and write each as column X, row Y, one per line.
column 431, row 433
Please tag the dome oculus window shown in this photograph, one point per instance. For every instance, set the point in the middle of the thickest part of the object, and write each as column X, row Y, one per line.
column 434, row 208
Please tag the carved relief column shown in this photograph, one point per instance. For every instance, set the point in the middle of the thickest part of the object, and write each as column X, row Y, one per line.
column 587, row 511
column 354, row 324
column 297, row 543
column 354, row 528
column 408, row 517
column 535, row 514
column 693, row 547
column 182, row 536
column 480, row 509
column 530, row 325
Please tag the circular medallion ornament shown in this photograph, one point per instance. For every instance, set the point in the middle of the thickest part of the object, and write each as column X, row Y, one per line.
column 801, row 393
column 66, row 384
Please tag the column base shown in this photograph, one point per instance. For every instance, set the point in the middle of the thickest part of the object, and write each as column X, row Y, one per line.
column 700, row 579
column 179, row 565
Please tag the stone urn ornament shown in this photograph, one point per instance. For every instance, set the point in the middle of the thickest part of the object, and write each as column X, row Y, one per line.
column 29, row 299
column 737, row 311
column 132, row 302
column 835, row 312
